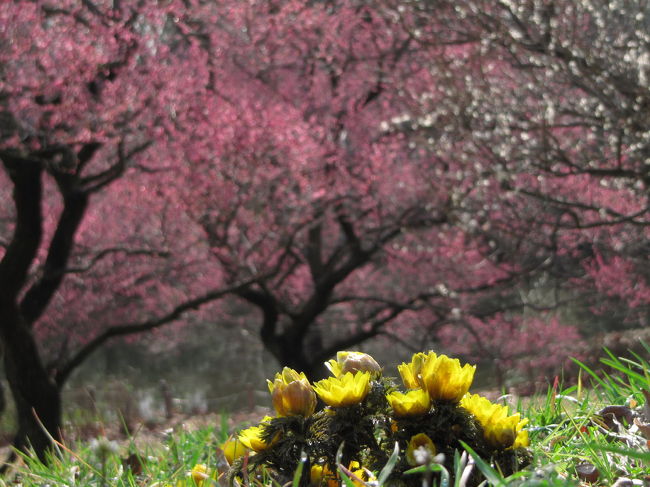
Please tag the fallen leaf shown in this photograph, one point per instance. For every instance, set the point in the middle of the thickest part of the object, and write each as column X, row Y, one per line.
column 614, row 415
column 587, row 472
column 623, row 482
column 644, row 428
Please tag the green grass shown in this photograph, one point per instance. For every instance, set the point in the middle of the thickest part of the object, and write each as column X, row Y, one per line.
column 565, row 430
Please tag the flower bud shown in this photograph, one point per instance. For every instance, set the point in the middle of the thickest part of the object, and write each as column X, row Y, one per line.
column 353, row 362
column 292, row 394
column 199, row 473
column 410, row 372
column 233, row 449
column 420, row 450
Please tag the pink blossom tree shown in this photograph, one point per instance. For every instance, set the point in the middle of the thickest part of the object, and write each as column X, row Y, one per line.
column 86, row 92
column 343, row 167
column 558, row 117
column 534, row 348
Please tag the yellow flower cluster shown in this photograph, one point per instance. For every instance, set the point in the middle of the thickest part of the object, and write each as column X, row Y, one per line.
column 292, row 395
column 500, row 429
column 430, row 377
column 435, row 385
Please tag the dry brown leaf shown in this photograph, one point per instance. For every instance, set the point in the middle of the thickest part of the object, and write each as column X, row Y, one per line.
column 644, row 428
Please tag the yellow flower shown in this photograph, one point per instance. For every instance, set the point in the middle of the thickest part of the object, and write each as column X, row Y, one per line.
column 352, row 362
column 362, row 474
column 233, row 449
column 321, row 475
column 199, row 473
column 252, row 437
column 420, row 450
column 499, row 429
column 291, row 393
column 346, row 390
column 411, row 372
column 445, row 379
column 412, row 403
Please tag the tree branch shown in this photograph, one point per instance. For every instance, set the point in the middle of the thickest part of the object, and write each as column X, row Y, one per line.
column 40, row 293
column 140, row 327
column 27, row 194
column 91, row 184
column 115, row 250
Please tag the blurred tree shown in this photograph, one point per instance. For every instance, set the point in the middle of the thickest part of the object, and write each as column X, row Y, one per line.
column 554, row 116
column 77, row 113
column 558, row 119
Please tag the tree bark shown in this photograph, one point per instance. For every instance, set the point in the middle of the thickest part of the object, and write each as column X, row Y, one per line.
column 37, row 398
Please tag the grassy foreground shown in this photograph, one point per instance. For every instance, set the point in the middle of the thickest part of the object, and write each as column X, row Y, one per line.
column 595, row 432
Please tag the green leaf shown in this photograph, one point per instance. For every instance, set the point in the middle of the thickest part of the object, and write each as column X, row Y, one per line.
column 618, row 365
column 298, row 474
column 490, row 474
column 460, row 463
column 593, row 375
column 390, row 465
column 432, row 467
column 339, row 453
column 343, row 473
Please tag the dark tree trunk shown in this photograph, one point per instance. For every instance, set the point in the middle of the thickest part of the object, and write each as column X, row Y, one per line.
column 37, row 398
column 3, row 401
column 293, row 355
column 288, row 347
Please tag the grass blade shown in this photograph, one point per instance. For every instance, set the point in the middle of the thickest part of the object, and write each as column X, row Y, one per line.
column 390, row 464
column 628, row 452
column 298, row 473
column 488, row 472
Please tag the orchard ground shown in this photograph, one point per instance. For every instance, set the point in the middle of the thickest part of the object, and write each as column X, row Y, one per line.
column 567, row 439
column 142, row 391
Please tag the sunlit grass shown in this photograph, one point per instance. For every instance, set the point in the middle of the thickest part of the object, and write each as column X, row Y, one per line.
column 572, row 443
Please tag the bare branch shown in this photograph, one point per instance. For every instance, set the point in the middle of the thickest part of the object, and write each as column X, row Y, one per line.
column 143, row 326
column 115, row 250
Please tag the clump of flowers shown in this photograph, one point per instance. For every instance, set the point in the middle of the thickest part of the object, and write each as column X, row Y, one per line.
column 365, row 415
